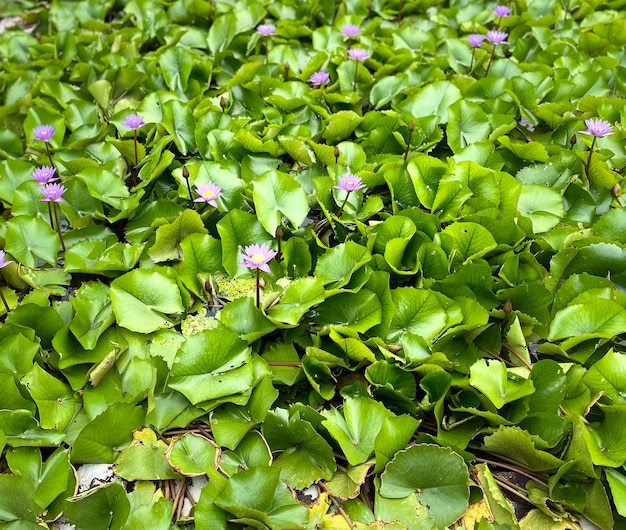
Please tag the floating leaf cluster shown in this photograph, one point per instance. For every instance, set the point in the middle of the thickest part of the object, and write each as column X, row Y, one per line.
column 354, row 264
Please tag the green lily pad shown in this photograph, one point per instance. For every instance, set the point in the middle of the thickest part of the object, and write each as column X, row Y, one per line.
column 148, row 507
column 144, row 459
column 437, row 476
column 22, row 430
column 102, row 438
column 347, row 484
column 276, row 195
column 467, row 124
column 297, row 298
column 305, row 456
column 103, row 508
column 169, row 237
column 603, row 441
column 542, row 205
column 30, row 238
column 354, row 311
column 464, row 242
column 251, row 452
column 336, row 266
column 56, row 403
column 520, row 446
column 490, row 377
column 93, row 313
column 141, row 298
column 212, row 364
column 421, row 312
column 257, row 495
column 230, row 423
column 598, row 318
column 356, row 427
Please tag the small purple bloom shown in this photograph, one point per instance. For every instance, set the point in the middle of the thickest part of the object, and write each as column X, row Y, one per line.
column 319, row 78
column 358, row 54
column 208, row 192
column 53, row 192
column 133, row 121
column 598, row 128
column 4, row 262
column 350, row 183
column 497, row 37
column 350, row 30
column 267, row 30
column 44, row 133
column 257, row 257
column 502, row 11
column 475, row 39
column 44, row 175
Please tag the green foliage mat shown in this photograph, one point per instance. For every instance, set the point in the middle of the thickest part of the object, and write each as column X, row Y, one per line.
column 438, row 334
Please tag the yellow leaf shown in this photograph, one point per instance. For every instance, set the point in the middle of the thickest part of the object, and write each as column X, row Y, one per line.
column 476, row 512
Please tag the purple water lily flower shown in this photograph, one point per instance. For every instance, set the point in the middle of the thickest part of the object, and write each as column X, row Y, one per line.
column 598, row 128
column 502, row 11
column 44, row 175
column 53, row 192
column 267, row 30
column 358, row 54
column 349, row 183
column 497, row 37
column 208, row 192
column 133, row 121
column 475, row 39
column 319, row 78
column 257, row 257
column 350, row 30
column 4, row 262
column 44, row 133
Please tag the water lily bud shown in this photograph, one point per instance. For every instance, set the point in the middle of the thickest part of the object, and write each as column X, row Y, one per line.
column 508, row 307
column 223, row 103
column 617, row 190
column 185, row 172
column 279, row 232
column 411, row 126
column 572, row 140
column 337, row 153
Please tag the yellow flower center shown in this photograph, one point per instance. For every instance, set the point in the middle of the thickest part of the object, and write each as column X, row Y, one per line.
column 208, row 194
column 257, row 258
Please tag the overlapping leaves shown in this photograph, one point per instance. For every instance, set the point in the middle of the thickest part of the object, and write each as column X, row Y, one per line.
column 470, row 295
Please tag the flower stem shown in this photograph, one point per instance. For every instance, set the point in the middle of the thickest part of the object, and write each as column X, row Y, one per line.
column 50, row 156
column 566, row 10
column 56, row 217
column 411, row 128
column 343, row 204
column 136, row 157
column 493, row 52
column 4, row 301
column 471, row 67
column 279, row 238
column 356, row 71
column 258, row 289
column 50, row 216
column 593, row 144
column 186, row 177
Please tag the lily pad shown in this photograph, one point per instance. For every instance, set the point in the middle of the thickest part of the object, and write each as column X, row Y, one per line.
column 437, row 476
